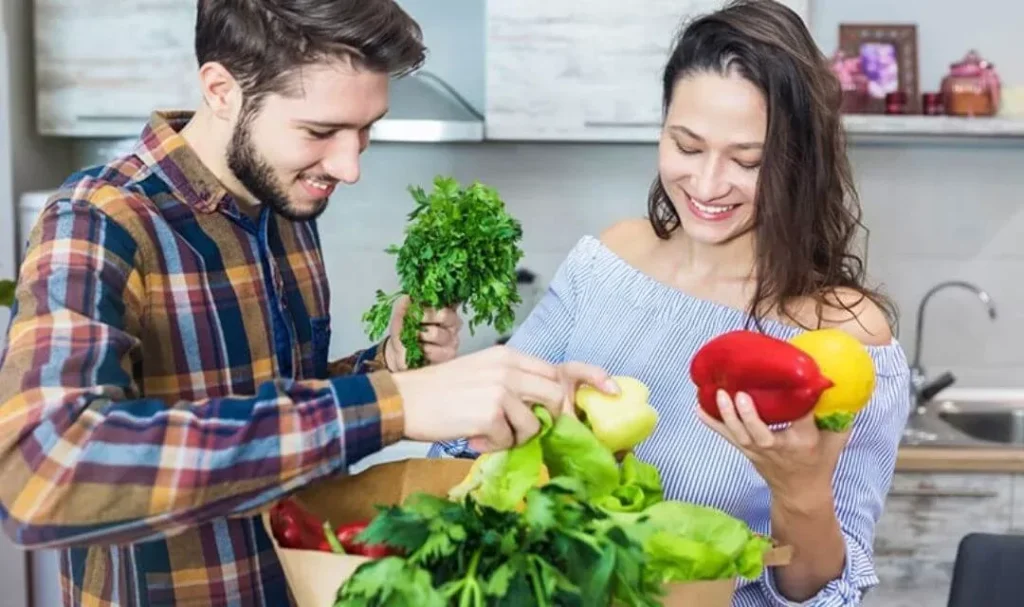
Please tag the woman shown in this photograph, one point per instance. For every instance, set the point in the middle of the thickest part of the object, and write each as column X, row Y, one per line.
column 752, row 221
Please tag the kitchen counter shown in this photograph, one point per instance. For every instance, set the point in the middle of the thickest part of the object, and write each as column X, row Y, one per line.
column 950, row 450
column 960, row 459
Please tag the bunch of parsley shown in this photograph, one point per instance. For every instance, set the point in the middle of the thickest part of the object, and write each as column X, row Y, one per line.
column 559, row 551
column 7, row 293
column 461, row 248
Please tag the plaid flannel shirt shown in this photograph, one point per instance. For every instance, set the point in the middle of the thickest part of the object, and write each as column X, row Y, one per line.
column 166, row 377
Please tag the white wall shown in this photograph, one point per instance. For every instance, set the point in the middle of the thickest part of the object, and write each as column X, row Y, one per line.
column 27, row 162
column 13, row 562
column 7, row 204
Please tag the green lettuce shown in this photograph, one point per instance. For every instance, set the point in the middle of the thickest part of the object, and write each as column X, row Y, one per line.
column 571, row 449
column 568, row 448
column 639, row 487
column 681, row 541
column 501, row 479
column 686, row 542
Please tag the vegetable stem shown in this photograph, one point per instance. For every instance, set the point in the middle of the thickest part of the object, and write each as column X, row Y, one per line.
column 332, row 539
column 538, row 592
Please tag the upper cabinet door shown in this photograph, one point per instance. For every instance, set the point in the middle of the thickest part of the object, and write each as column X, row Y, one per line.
column 103, row 66
column 585, row 71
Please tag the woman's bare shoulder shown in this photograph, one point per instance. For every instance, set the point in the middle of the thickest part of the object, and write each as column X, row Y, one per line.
column 849, row 310
column 630, row 239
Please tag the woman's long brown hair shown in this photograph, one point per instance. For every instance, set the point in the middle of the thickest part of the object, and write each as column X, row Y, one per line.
column 807, row 210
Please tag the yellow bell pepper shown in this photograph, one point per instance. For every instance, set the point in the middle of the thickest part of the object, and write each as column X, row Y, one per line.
column 847, row 363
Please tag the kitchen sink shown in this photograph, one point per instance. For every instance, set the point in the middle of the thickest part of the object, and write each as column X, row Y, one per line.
column 978, row 418
column 1004, row 426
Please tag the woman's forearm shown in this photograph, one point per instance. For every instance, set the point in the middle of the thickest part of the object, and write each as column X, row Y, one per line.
column 810, row 526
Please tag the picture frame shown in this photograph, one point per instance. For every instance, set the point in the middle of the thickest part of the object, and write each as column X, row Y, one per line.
column 889, row 61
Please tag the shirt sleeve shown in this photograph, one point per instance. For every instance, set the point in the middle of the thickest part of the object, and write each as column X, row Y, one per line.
column 87, row 460
column 360, row 362
column 546, row 331
column 861, row 482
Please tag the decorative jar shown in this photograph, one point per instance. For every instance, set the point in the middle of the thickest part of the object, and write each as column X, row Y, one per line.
column 971, row 88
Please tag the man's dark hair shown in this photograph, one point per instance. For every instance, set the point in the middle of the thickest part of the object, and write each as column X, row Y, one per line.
column 264, row 42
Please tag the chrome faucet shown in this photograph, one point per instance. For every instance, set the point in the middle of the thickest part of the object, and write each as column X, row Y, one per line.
column 923, row 390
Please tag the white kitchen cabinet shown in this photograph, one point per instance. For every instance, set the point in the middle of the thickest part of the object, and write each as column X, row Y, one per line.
column 102, row 67
column 586, row 71
column 926, row 515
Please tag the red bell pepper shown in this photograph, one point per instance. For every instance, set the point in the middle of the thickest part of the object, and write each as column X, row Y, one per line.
column 348, row 534
column 783, row 381
column 294, row 527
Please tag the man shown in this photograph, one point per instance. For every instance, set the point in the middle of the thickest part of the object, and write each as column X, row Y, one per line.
column 166, row 372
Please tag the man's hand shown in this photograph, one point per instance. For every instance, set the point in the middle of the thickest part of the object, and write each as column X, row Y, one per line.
column 487, row 397
column 439, row 337
column 574, row 374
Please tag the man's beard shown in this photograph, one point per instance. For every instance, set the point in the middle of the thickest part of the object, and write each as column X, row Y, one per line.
column 256, row 175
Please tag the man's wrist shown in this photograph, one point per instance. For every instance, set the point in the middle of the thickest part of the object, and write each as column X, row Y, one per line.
column 391, row 405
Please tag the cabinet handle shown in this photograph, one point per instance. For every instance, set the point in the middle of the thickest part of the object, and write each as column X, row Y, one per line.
column 110, row 117
column 935, row 492
column 602, row 124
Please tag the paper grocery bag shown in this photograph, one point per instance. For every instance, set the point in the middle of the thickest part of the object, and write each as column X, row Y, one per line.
column 315, row 577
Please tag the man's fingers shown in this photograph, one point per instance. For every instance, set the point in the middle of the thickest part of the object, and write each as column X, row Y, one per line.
column 438, row 354
column 498, row 435
column 531, row 389
column 523, row 422
column 446, row 317
column 577, row 372
column 400, row 307
column 440, row 336
column 532, row 365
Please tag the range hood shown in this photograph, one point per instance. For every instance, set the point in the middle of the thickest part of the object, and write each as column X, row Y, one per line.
column 424, row 108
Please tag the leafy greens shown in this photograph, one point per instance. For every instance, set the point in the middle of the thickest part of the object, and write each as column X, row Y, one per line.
column 461, row 248
column 598, row 533
column 561, row 550
column 7, row 293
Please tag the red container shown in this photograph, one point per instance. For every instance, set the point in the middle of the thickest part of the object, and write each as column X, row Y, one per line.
column 896, row 103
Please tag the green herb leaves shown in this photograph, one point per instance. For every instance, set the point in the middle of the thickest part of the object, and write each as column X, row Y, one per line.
column 559, row 551
column 597, row 533
column 461, row 248
column 6, row 293
column 393, row 582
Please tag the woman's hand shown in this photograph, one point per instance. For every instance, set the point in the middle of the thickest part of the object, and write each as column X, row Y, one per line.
column 797, row 462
